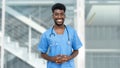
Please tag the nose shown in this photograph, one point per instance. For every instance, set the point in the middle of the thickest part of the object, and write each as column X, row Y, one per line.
column 60, row 16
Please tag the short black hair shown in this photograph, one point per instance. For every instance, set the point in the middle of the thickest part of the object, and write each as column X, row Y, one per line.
column 58, row 6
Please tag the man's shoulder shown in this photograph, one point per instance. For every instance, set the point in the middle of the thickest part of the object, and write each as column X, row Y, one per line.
column 47, row 32
column 70, row 28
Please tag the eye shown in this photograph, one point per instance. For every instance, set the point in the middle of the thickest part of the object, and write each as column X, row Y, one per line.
column 62, row 14
column 56, row 14
column 59, row 14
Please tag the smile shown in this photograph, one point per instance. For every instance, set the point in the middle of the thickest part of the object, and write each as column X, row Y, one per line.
column 59, row 20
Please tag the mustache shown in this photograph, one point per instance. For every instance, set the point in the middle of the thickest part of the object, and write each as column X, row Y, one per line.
column 59, row 18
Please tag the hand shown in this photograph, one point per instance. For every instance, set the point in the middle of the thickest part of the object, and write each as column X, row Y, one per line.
column 61, row 59
column 65, row 58
column 56, row 59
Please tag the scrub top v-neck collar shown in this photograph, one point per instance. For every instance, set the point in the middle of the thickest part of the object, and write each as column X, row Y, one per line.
column 59, row 34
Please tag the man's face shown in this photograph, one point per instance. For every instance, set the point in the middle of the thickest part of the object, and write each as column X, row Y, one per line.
column 59, row 16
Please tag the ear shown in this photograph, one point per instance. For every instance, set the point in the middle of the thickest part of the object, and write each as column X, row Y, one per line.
column 52, row 16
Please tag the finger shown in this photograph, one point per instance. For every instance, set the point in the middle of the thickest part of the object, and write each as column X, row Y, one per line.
column 56, row 61
column 58, row 58
column 59, row 62
column 65, row 59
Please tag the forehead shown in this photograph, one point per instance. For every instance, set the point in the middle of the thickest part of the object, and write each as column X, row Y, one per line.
column 58, row 11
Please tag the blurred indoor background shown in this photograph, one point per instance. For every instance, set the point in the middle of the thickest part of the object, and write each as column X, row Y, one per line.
column 26, row 20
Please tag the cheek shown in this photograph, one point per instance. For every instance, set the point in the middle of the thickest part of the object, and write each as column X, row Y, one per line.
column 54, row 17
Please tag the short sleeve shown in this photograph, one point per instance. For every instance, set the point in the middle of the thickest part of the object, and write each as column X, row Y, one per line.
column 76, row 43
column 43, row 45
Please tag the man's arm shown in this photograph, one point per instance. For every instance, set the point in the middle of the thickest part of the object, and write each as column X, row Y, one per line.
column 67, row 58
column 60, row 58
column 74, row 54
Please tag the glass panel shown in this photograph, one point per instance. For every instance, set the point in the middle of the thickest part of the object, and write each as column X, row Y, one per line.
column 0, row 27
column 11, row 61
column 102, row 33
column 102, row 60
column 102, row 27
column 0, row 14
column 16, row 37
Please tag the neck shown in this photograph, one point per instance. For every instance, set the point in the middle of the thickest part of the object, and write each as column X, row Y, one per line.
column 58, row 27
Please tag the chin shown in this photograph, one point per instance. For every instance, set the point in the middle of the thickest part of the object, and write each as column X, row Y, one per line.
column 59, row 24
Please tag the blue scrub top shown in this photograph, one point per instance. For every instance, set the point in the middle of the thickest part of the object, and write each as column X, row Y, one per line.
column 57, row 44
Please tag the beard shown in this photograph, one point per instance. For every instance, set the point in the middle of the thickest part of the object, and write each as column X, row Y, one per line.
column 59, row 23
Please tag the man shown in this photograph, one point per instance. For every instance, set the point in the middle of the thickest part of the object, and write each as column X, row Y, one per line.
column 59, row 44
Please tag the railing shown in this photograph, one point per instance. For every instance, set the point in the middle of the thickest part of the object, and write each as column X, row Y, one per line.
column 22, row 33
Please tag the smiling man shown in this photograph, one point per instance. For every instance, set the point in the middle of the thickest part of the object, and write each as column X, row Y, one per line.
column 59, row 45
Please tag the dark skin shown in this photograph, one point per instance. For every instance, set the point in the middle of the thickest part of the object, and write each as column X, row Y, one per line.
column 59, row 16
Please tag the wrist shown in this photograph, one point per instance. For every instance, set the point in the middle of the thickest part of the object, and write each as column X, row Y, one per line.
column 52, row 59
column 70, row 57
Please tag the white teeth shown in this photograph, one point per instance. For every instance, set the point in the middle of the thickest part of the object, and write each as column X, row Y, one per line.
column 59, row 20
